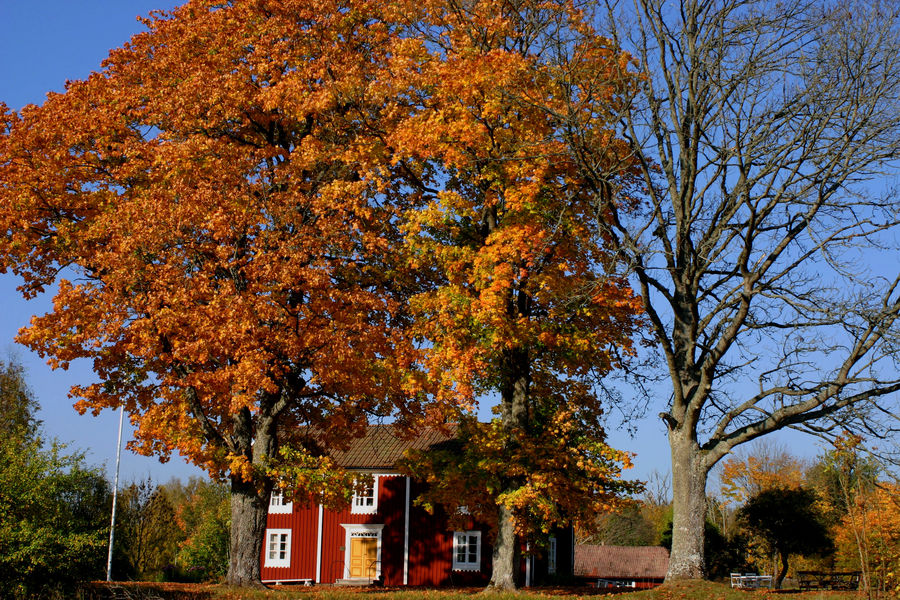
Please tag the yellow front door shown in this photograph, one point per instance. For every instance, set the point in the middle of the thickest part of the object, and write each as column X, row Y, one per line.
column 363, row 557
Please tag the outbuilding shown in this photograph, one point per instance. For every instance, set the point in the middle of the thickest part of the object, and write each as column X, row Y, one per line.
column 637, row 567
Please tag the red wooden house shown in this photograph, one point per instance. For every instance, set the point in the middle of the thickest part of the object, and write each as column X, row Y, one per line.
column 383, row 536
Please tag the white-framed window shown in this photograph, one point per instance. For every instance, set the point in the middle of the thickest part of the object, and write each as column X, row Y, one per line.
column 365, row 500
column 278, row 548
column 277, row 504
column 551, row 556
column 466, row 550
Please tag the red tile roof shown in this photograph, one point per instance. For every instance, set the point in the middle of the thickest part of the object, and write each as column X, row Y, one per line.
column 383, row 446
column 621, row 562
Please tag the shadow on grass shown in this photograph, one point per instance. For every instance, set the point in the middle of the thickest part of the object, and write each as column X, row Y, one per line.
column 140, row 590
column 682, row 590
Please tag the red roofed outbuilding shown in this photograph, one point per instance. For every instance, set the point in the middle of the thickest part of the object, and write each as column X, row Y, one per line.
column 621, row 566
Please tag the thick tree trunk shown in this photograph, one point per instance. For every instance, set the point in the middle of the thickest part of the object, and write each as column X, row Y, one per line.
column 503, row 575
column 514, row 416
column 689, row 475
column 784, row 569
column 248, row 524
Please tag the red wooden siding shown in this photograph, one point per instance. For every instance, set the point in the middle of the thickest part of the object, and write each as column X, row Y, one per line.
column 431, row 550
column 304, row 527
column 430, row 543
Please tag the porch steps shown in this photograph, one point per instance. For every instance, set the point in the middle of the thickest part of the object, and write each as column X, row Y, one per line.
column 356, row 582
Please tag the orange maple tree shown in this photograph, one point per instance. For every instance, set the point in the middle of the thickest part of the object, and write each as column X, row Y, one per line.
column 213, row 207
column 238, row 207
column 526, row 300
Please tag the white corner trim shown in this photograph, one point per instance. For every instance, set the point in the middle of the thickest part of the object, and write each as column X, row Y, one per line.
column 529, row 559
column 406, row 535
column 319, row 546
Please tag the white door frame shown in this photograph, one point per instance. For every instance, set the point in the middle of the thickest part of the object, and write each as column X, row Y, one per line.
column 356, row 528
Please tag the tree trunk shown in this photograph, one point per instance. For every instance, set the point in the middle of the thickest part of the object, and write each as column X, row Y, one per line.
column 248, row 524
column 689, row 475
column 784, row 570
column 514, row 416
column 503, row 574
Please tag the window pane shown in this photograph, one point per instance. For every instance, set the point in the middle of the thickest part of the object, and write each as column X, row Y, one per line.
column 466, row 550
column 365, row 497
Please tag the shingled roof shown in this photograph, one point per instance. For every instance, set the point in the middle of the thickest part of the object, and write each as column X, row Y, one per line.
column 621, row 562
column 382, row 447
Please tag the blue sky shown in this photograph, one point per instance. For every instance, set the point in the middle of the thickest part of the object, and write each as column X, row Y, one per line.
column 44, row 43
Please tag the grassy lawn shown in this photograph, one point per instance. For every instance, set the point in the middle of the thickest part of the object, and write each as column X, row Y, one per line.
column 694, row 590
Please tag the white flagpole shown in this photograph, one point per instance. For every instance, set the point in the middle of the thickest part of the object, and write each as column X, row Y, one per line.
column 112, row 519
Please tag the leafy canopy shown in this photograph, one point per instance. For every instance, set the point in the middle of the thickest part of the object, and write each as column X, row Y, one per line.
column 788, row 519
column 524, row 300
column 212, row 206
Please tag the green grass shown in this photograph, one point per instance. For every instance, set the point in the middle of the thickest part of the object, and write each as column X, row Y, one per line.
column 684, row 590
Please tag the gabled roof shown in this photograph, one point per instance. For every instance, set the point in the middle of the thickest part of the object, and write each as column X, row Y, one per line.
column 620, row 562
column 383, row 446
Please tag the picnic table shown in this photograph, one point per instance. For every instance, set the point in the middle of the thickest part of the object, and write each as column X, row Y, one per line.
column 830, row 580
column 750, row 581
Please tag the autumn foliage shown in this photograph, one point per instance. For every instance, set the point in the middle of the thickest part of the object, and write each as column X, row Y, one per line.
column 525, row 300
column 269, row 221
column 218, row 215
column 766, row 467
column 563, row 470
column 868, row 538
column 504, row 224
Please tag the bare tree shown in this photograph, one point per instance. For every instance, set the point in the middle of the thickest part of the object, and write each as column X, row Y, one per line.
column 765, row 249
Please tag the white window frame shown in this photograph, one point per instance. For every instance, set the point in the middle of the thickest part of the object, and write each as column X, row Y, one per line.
column 360, row 503
column 277, row 505
column 551, row 556
column 467, row 564
column 284, row 537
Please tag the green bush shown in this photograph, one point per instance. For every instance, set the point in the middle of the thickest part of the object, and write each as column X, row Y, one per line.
column 205, row 516
column 54, row 513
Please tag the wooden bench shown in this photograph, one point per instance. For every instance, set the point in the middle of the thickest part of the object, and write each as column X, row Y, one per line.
column 828, row 580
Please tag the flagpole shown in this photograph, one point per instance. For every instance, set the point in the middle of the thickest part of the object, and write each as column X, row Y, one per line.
column 112, row 519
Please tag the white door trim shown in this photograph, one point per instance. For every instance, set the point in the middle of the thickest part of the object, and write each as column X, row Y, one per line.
column 361, row 528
